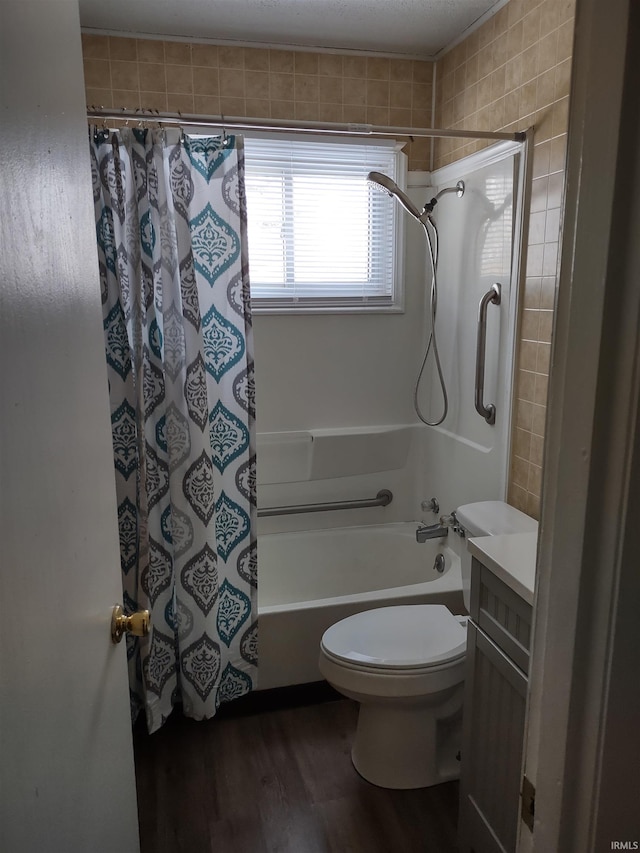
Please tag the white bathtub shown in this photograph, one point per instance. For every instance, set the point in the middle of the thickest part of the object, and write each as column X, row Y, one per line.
column 311, row 579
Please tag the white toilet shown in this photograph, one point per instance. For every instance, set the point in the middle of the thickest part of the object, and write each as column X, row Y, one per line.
column 405, row 666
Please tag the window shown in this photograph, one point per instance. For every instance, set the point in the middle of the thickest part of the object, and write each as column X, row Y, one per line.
column 321, row 237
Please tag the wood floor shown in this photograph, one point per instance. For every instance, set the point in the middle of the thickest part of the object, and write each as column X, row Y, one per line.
column 278, row 780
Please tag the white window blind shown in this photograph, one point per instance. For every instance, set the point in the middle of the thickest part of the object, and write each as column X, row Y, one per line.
column 320, row 235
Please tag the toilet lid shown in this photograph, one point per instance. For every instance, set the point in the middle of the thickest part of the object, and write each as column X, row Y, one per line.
column 405, row 636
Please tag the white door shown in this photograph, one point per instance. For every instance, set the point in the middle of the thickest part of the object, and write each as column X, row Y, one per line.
column 66, row 760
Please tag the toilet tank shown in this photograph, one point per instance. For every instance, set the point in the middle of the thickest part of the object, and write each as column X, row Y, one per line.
column 487, row 518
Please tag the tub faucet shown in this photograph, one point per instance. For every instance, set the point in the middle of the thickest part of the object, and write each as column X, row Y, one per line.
column 431, row 531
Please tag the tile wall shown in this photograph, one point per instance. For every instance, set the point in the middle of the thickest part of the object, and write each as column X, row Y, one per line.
column 510, row 74
column 260, row 83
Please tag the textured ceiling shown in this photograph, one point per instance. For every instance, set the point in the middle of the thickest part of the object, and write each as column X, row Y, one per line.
column 417, row 28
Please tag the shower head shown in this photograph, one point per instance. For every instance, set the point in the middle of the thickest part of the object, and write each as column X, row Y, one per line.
column 391, row 188
column 387, row 185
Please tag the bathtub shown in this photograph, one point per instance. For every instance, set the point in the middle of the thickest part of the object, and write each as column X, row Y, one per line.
column 308, row 580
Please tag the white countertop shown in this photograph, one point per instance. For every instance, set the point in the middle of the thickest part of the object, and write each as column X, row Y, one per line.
column 511, row 557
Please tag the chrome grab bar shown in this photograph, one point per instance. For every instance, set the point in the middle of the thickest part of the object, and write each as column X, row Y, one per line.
column 493, row 295
column 383, row 498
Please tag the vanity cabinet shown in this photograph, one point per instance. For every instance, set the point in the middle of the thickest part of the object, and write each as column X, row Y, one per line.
column 498, row 643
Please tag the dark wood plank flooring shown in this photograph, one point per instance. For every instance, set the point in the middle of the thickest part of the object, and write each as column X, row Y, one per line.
column 278, row 781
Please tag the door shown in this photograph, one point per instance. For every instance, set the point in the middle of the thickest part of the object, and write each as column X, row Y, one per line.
column 66, row 760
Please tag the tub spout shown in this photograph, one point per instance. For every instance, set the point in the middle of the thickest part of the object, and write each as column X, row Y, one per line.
column 431, row 531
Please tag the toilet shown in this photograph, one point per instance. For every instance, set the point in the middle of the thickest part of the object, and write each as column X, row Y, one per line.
column 405, row 666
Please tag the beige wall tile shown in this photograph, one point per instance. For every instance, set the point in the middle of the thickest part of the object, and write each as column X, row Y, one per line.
column 154, row 100
column 532, row 293
column 126, row 99
column 232, row 106
column 97, row 74
column 400, row 95
column 231, row 83
column 257, row 85
column 330, row 112
column 150, row 50
column 400, row 117
column 306, row 63
column 282, row 109
column 124, row 75
column 330, row 90
column 548, row 292
column 355, row 90
column 205, row 81
column 401, row 70
column 355, row 66
column 94, row 47
column 281, row 61
column 256, row 60
column 520, row 472
column 180, row 103
column 306, row 111
column 330, row 65
column 99, row 98
column 356, row 113
column 206, row 105
column 230, row 57
column 305, row 88
column 421, row 96
column 152, row 77
column 422, row 72
column 179, row 79
column 281, row 87
column 177, row 53
column 205, row 55
column 377, row 93
column 258, row 108
column 377, row 115
column 420, row 118
column 541, row 390
column 531, row 28
column 123, row 48
column 378, row 68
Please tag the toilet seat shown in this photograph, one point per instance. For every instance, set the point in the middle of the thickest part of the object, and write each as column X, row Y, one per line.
column 399, row 639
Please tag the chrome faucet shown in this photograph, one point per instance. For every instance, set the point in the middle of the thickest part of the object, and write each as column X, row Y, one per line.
column 431, row 531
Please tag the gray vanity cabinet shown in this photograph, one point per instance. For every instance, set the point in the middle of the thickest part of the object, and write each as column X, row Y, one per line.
column 498, row 642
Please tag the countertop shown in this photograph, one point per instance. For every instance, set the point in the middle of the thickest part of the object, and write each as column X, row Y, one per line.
column 511, row 557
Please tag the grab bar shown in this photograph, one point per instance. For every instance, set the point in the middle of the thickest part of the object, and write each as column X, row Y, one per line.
column 383, row 498
column 493, row 295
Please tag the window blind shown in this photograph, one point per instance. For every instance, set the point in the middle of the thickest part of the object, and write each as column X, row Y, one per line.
column 319, row 233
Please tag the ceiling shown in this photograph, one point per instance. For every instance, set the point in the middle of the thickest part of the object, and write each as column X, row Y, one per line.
column 411, row 28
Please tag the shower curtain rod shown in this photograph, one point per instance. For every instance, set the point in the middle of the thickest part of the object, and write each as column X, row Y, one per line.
column 236, row 123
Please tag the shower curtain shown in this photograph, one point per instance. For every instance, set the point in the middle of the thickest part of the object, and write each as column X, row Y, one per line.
column 171, row 232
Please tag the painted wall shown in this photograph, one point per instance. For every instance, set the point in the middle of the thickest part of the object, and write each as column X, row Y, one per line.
column 510, row 74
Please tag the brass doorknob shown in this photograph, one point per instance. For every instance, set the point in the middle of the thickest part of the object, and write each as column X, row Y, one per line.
column 137, row 624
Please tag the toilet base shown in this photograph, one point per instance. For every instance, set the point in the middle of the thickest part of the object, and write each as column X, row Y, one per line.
column 404, row 746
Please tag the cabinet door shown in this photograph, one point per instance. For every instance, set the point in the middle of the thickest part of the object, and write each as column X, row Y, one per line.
column 494, row 715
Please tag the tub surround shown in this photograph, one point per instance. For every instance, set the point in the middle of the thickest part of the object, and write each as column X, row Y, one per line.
column 511, row 557
column 320, row 454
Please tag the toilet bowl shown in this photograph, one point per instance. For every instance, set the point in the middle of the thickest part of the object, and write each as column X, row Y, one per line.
column 404, row 665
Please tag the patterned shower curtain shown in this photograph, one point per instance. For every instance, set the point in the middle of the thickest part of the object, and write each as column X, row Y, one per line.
column 171, row 232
